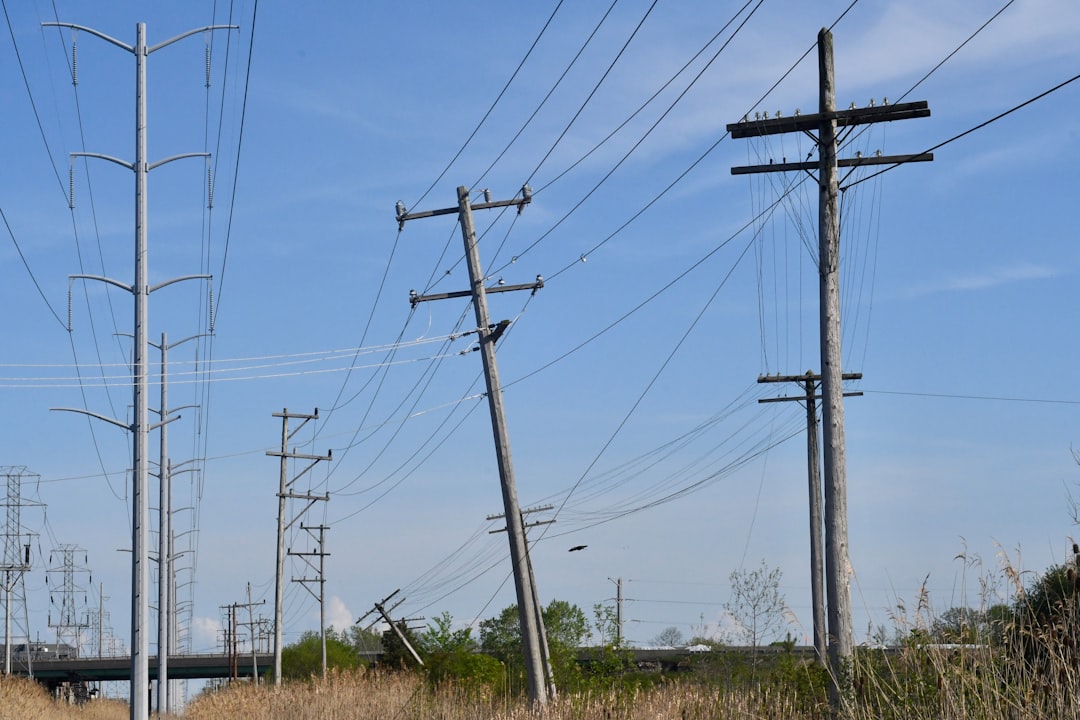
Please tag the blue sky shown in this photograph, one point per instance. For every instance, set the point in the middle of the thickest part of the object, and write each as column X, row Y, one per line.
column 630, row 379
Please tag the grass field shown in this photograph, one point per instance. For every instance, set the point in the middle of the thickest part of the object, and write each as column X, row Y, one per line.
column 977, row 682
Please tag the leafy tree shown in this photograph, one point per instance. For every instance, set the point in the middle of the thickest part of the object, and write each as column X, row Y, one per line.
column 303, row 659
column 1051, row 598
column 756, row 605
column 452, row 654
column 441, row 636
column 567, row 630
column 606, row 620
column 958, row 625
column 1045, row 634
column 964, row 625
column 363, row 641
column 564, row 622
column 394, row 653
column 669, row 637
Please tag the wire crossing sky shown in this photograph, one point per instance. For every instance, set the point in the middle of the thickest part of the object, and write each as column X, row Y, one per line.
column 629, row 378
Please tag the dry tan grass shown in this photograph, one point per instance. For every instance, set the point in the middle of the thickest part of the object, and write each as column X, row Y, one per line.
column 408, row 697
column 24, row 699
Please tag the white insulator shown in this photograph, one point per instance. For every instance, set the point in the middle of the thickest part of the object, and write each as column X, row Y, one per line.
column 208, row 65
column 209, row 187
column 69, row 306
column 74, row 62
column 71, row 187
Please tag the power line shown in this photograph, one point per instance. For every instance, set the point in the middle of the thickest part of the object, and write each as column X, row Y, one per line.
column 554, row 87
column 980, row 126
column 492, row 107
column 992, row 398
column 26, row 265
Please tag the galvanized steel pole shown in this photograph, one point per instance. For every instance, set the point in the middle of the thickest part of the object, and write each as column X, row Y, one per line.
column 140, row 531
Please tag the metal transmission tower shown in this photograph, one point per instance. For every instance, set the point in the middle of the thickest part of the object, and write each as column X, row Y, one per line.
column 488, row 333
column 284, row 494
column 16, row 558
column 824, row 124
column 318, row 534
column 140, row 290
column 71, row 620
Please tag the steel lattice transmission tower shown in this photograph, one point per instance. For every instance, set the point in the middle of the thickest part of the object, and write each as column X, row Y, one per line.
column 69, row 626
column 16, row 557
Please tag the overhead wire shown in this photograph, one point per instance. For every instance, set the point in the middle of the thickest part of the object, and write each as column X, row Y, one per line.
column 678, row 278
column 637, row 144
column 570, row 265
column 628, row 42
column 56, row 173
column 592, row 93
column 549, row 93
column 637, row 403
column 430, row 438
column 681, row 175
column 976, row 128
column 639, row 109
column 487, row 114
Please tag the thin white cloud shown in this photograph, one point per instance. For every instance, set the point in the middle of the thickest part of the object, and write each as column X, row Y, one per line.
column 983, row 280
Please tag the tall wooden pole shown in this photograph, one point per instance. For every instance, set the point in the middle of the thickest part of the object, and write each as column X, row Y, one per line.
column 825, row 123
column 837, row 588
column 527, row 611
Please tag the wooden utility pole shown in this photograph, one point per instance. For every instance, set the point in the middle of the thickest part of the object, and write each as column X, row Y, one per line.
column 545, row 651
column 284, row 494
column 320, row 579
column 809, row 383
column 384, row 612
column 523, row 584
column 825, row 123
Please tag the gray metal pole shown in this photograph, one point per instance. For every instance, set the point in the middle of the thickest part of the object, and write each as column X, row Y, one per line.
column 534, row 666
column 836, row 537
column 164, row 531
column 279, row 575
column 140, row 576
column 173, row 642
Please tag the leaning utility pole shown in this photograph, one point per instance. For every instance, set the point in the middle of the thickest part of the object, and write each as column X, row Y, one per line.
column 140, row 290
column 384, row 612
column 825, row 124
column 809, row 383
column 488, row 333
column 285, row 494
